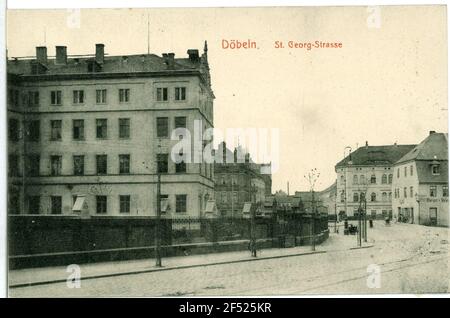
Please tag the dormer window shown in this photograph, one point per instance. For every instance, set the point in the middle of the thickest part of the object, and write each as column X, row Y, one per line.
column 435, row 169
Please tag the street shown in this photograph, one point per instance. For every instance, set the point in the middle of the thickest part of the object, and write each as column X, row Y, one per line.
column 411, row 259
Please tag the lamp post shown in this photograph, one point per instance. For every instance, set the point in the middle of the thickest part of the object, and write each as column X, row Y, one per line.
column 252, row 220
column 312, row 177
column 158, row 216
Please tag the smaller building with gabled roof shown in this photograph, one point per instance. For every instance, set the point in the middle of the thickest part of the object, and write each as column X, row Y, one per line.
column 420, row 184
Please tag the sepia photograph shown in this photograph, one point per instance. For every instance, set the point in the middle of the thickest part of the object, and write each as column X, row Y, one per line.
column 227, row 152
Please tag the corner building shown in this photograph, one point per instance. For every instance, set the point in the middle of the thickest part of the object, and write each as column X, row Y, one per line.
column 99, row 127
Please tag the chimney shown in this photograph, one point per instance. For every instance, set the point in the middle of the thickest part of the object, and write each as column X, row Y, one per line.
column 432, row 132
column 169, row 58
column 367, row 144
column 41, row 54
column 99, row 53
column 61, row 55
column 193, row 55
column 235, row 155
column 247, row 158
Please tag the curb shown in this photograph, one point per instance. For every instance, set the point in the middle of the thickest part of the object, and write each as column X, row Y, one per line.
column 20, row 285
column 360, row 247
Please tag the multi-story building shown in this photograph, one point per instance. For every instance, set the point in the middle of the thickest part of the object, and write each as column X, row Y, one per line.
column 366, row 175
column 420, row 183
column 101, row 127
column 238, row 181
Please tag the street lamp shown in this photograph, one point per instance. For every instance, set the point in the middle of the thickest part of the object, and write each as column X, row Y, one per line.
column 158, row 216
column 312, row 177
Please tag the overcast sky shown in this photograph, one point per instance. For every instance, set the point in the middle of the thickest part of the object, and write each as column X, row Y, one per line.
column 386, row 84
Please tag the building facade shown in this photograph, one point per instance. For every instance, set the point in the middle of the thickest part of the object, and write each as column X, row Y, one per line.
column 420, row 183
column 327, row 198
column 238, row 181
column 365, row 176
column 101, row 127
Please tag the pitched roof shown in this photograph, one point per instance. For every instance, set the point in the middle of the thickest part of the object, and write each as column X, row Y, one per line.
column 424, row 172
column 434, row 147
column 375, row 155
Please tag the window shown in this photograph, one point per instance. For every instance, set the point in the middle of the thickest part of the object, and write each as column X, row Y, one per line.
column 56, row 162
column 101, row 202
column 124, row 128
column 384, row 179
column 398, row 173
column 355, row 179
column 162, row 127
column 433, row 191
column 384, row 196
column 33, row 165
column 124, row 95
column 342, row 197
column 180, row 203
column 445, row 191
column 355, row 197
column 78, row 97
column 235, row 197
column 56, row 205
column 406, row 171
column 13, row 165
column 180, row 167
column 390, row 179
column 100, row 96
column 78, row 165
column 55, row 133
column 373, row 179
column 33, row 130
column 411, row 192
column 435, row 169
column 162, row 163
column 180, row 122
column 362, row 179
column 124, row 203
column 78, row 129
column 180, row 93
column 342, row 180
column 33, row 99
column 411, row 172
column 55, row 98
column 102, row 164
column 405, row 193
column 362, row 196
column 124, row 164
column 13, row 129
column 102, row 128
column 34, row 204
column 390, row 196
column 13, row 97
column 373, row 197
column 161, row 94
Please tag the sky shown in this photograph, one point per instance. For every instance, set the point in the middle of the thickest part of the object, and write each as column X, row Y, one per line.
column 387, row 84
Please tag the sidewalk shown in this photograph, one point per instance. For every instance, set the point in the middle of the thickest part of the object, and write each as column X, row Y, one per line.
column 39, row 276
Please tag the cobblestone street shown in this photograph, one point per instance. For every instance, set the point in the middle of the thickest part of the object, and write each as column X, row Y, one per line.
column 412, row 259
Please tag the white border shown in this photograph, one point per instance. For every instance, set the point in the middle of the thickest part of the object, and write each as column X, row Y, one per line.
column 58, row 4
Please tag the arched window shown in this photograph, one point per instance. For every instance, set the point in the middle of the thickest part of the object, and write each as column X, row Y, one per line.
column 390, row 196
column 342, row 196
column 373, row 197
column 373, row 179
column 390, row 178
column 355, row 179
column 384, row 196
column 342, row 179
column 362, row 179
column 355, row 197
column 384, row 179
